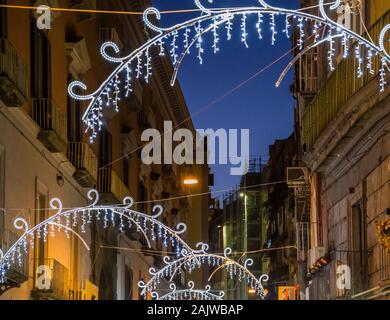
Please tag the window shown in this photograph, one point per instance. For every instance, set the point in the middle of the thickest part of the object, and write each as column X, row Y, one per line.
column 142, row 196
column 308, row 72
column 40, row 63
column 3, row 20
column 105, row 148
column 128, row 284
column 126, row 172
column 40, row 215
column 74, row 118
column 142, row 206
column 359, row 248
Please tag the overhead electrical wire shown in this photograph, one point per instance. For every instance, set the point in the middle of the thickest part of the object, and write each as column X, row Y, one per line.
column 164, row 253
column 166, row 199
column 78, row 10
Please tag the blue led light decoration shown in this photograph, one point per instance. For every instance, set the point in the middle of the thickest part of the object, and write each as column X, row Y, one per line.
column 138, row 64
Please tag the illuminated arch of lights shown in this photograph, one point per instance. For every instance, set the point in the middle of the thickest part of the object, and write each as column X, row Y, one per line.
column 76, row 220
column 189, row 293
column 176, row 41
column 189, row 263
column 122, row 217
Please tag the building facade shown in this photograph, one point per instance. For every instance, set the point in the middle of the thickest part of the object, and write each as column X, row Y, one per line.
column 44, row 151
column 239, row 226
column 344, row 123
column 286, row 219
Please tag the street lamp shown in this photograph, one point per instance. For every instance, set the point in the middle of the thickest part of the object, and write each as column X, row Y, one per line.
column 190, row 181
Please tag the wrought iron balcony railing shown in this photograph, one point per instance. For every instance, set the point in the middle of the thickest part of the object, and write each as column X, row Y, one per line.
column 85, row 161
column 13, row 76
column 17, row 274
column 337, row 90
column 53, row 124
column 384, row 264
column 82, row 290
column 57, row 286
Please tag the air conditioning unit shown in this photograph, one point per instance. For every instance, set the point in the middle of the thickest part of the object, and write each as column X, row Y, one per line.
column 314, row 254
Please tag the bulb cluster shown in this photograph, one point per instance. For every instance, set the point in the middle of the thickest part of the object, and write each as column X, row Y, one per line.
column 331, row 51
column 382, row 75
column 244, row 33
column 359, row 59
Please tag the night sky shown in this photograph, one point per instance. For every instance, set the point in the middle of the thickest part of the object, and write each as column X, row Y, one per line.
column 258, row 105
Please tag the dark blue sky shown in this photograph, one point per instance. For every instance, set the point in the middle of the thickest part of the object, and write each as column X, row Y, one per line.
column 259, row 106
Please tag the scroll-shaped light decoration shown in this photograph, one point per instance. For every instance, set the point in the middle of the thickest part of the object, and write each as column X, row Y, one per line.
column 121, row 217
column 189, row 293
column 189, row 263
column 107, row 94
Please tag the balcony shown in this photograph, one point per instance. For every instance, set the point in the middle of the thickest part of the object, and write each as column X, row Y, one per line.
column 17, row 274
column 341, row 86
column 83, row 290
column 85, row 161
column 13, row 76
column 110, row 186
column 53, row 124
column 58, row 285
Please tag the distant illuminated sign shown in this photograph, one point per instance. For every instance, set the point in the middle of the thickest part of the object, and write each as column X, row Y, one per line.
column 288, row 293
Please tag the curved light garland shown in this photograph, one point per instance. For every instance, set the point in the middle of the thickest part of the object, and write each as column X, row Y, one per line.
column 121, row 217
column 138, row 64
column 190, row 262
column 189, row 294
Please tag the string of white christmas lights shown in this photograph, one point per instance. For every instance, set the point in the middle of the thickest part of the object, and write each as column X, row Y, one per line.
column 189, row 263
column 108, row 92
column 122, row 217
column 189, row 294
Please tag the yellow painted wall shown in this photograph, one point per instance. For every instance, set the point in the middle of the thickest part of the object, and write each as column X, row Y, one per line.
column 378, row 8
